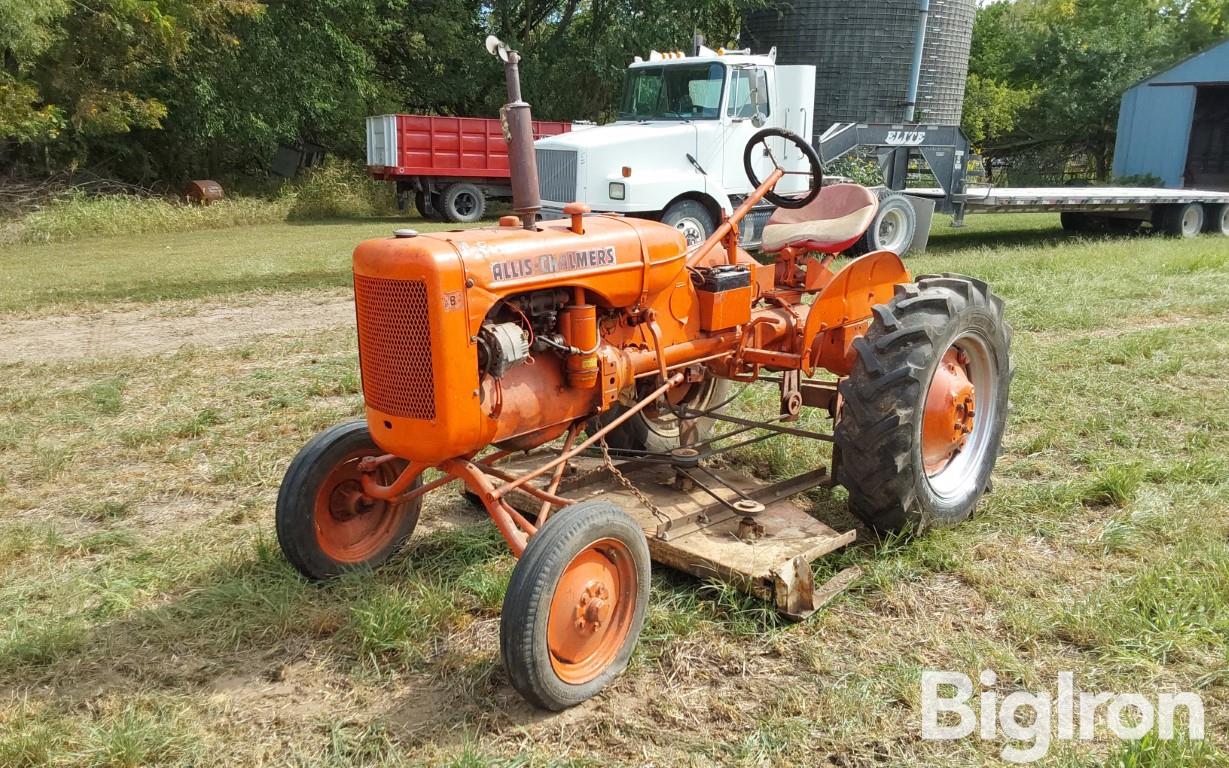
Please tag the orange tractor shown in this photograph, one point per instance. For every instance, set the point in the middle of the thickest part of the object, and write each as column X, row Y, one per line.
column 601, row 348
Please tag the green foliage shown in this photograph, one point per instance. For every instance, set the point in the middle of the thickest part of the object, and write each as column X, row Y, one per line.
column 992, row 108
column 341, row 190
column 1138, row 180
column 80, row 215
column 1049, row 74
column 177, row 89
column 862, row 170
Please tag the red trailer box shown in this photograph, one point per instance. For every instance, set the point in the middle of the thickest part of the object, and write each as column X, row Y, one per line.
column 451, row 165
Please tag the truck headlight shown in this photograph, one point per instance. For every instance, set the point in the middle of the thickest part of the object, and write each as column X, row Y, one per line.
column 617, row 190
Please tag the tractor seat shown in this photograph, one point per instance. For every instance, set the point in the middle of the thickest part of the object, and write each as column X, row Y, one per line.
column 830, row 223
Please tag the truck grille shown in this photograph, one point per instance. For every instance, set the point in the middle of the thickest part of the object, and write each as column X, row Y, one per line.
column 557, row 175
column 394, row 346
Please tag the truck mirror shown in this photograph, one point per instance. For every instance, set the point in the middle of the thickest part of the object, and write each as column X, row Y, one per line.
column 758, row 87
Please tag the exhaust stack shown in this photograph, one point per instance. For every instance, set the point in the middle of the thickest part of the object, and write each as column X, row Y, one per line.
column 518, row 132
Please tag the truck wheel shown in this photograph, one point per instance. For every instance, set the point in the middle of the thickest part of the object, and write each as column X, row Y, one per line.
column 462, row 203
column 575, row 605
column 656, row 429
column 1184, row 220
column 893, row 228
column 692, row 219
column 325, row 525
column 1216, row 219
column 924, row 409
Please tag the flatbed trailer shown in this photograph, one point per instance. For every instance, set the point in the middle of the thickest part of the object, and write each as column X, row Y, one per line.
column 945, row 149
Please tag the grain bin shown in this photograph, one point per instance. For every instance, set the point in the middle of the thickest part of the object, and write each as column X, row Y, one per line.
column 863, row 54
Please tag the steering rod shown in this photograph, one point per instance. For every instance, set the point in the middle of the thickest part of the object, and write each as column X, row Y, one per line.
column 729, row 228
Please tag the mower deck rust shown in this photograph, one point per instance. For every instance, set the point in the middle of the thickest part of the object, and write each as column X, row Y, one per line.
column 767, row 554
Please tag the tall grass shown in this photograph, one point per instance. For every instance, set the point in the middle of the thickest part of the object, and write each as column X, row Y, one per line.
column 80, row 215
column 341, row 190
column 336, row 190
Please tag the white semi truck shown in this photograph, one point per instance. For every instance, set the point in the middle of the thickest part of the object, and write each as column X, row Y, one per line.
column 676, row 150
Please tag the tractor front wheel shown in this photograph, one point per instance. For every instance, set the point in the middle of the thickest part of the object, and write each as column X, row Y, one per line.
column 575, row 605
column 924, row 408
column 325, row 524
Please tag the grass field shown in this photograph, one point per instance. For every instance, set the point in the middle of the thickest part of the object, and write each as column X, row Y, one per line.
column 147, row 617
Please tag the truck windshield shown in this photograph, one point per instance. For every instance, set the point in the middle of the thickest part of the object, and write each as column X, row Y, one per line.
column 680, row 92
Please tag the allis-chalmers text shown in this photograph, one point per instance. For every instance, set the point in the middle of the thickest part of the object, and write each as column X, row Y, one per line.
column 550, row 263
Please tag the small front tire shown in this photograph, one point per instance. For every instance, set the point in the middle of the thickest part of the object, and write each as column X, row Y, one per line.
column 325, row 525
column 575, row 605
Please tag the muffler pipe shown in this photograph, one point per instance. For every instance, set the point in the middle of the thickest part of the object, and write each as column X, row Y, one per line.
column 517, row 124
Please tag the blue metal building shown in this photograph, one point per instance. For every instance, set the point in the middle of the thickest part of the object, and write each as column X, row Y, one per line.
column 1175, row 125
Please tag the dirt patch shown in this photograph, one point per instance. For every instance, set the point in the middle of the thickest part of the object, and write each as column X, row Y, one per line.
column 168, row 326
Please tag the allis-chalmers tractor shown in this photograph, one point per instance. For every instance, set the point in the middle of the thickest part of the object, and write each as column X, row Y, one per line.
column 536, row 361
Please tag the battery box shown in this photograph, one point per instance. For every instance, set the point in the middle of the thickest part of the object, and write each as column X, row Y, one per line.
column 725, row 296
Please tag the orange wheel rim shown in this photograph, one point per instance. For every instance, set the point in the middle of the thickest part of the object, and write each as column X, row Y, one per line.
column 351, row 527
column 949, row 412
column 591, row 611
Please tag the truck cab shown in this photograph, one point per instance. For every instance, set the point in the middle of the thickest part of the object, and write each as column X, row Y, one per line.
column 675, row 153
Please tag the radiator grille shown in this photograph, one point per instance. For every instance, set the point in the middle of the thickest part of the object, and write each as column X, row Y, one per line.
column 557, row 175
column 394, row 346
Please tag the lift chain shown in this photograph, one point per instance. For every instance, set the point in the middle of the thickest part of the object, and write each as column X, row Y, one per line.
column 630, row 486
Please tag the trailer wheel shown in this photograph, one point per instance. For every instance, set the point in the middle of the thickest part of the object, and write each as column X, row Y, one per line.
column 925, row 406
column 462, row 203
column 325, row 525
column 1184, row 220
column 656, row 429
column 691, row 218
column 1216, row 219
column 575, row 605
column 1073, row 221
column 893, row 229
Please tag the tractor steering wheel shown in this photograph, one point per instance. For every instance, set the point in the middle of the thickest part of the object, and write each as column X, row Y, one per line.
column 816, row 172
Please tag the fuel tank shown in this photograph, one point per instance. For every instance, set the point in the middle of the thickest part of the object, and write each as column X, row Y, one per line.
column 421, row 300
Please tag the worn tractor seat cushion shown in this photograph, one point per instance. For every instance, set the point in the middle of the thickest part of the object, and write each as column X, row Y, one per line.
column 829, row 224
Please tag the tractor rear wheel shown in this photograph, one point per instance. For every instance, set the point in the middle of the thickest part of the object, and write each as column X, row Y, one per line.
column 924, row 408
column 657, row 429
column 325, row 524
column 575, row 605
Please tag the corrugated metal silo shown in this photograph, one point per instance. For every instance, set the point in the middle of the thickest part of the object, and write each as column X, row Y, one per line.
column 863, row 54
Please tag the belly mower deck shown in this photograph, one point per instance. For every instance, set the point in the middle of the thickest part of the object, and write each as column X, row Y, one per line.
column 715, row 523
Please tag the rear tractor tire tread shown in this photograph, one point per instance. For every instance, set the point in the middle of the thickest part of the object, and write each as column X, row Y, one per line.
column 878, row 431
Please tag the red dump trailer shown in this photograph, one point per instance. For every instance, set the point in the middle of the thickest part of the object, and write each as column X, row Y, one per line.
column 450, row 165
